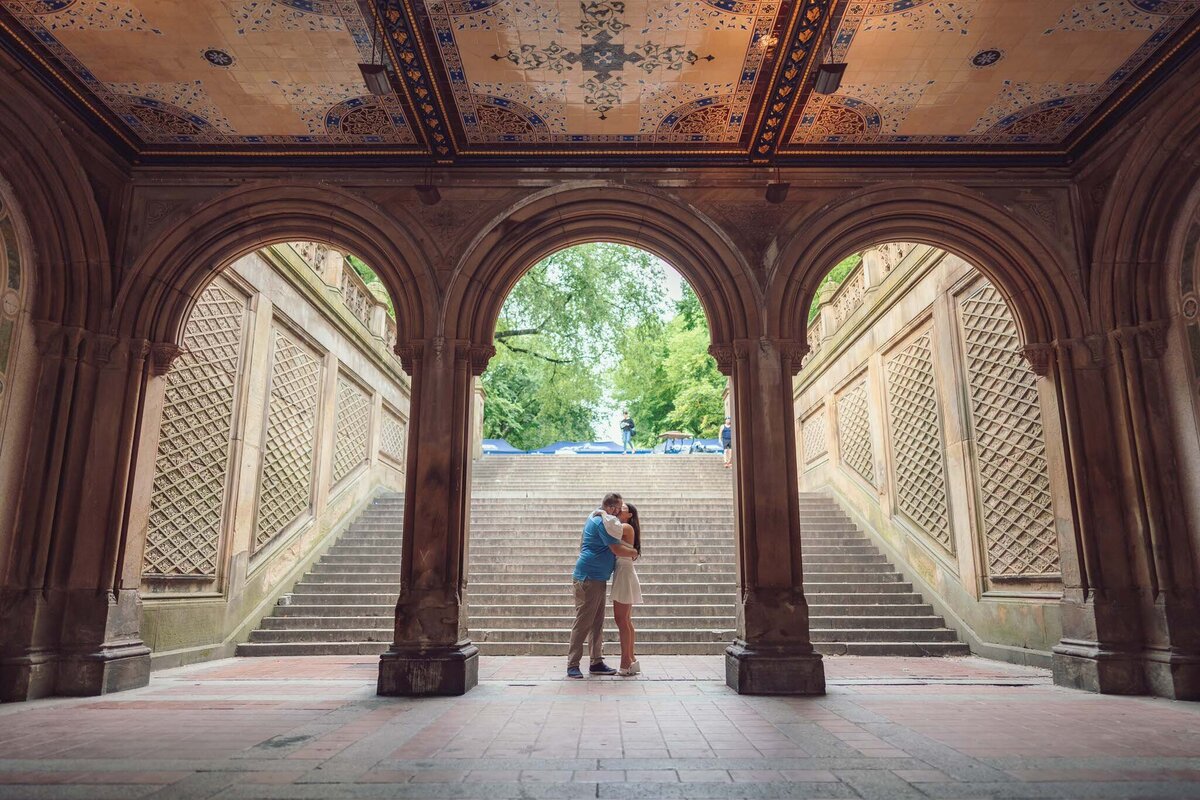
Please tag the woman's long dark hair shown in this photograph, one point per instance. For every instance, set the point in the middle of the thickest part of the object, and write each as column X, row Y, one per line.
column 637, row 527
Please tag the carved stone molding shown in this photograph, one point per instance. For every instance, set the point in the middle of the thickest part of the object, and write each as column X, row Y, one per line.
column 478, row 356
column 162, row 356
column 1040, row 356
column 793, row 353
column 723, row 355
column 409, row 355
column 100, row 348
column 1148, row 339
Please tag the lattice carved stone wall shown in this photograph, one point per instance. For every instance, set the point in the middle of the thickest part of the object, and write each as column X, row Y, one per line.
column 187, row 499
column 1018, row 522
column 917, row 440
column 352, row 429
column 854, row 431
column 813, row 435
column 392, row 435
column 285, row 486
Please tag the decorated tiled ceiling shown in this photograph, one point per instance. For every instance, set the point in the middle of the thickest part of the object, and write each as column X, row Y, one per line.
column 982, row 71
column 221, row 72
column 524, row 78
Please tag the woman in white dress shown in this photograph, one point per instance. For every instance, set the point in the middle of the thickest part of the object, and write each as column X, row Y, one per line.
column 627, row 590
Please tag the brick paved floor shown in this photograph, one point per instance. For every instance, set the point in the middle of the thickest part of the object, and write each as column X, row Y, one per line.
column 313, row 728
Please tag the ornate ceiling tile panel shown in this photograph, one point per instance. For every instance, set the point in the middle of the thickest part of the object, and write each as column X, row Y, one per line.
column 983, row 72
column 221, row 72
column 564, row 72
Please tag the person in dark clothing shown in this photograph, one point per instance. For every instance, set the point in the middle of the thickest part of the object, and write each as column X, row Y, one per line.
column 727, row 441
column 627, row 429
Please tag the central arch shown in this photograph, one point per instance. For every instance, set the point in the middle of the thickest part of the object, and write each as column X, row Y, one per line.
column 553, row 220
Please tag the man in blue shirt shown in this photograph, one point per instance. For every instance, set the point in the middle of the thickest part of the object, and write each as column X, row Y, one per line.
column 598, row 551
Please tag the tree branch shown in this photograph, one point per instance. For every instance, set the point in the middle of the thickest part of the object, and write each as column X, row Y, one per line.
column 517, row 332
column 522, row 350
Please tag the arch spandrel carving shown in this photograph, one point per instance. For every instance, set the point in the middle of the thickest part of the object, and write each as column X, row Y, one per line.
column 1032, row 273
column 597, row 211
column 171, row 271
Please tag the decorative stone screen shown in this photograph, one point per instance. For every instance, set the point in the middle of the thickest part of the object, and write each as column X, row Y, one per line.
column 392, row 436
column 285, row 487
column 1018, row 524
column 813, row 435
column 916, row 437
column 188, row 497
column 854, row 431
column 350, row 445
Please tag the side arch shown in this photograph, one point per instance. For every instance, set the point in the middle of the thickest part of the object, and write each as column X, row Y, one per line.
column 552, row 220
column 1145, row 208
column 166, row 278
column 1029, row 273
column 70, row 258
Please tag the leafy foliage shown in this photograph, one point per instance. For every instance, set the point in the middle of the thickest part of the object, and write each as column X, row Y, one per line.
column 556, row 339
column 667, row 379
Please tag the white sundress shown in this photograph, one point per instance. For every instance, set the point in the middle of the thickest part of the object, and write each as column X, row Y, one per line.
column 626, row 588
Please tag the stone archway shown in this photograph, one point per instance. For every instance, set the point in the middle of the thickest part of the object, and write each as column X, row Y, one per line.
column 772, row 653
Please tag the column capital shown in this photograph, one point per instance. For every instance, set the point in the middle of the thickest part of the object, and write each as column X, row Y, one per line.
column 162, row 356
column 1149, row 339
column 791, row 351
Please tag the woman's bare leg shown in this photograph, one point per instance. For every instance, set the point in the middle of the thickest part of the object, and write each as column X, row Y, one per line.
column 625, row 630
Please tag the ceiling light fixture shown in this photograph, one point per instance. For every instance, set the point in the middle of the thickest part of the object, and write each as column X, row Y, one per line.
column 777, row 190
column 375, row 75
column 829, row 75
column 427, row 192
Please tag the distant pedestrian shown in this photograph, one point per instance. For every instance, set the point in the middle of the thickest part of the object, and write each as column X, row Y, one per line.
column 727, row 442
column 627, row 431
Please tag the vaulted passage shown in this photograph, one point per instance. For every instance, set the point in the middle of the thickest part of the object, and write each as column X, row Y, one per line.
column 254, row 261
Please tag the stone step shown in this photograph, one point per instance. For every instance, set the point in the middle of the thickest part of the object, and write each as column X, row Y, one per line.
column 505, row 588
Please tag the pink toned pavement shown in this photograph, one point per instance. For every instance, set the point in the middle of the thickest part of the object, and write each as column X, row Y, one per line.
column 314, row 728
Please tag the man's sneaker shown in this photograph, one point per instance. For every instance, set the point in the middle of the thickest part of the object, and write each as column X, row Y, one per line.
column 600, row 668
column 573, row 672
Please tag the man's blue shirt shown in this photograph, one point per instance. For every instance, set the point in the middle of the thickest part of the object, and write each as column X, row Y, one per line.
column 596, row 562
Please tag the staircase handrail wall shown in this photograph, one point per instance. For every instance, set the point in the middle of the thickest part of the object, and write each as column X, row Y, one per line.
column 901, row 415
column 285, row 414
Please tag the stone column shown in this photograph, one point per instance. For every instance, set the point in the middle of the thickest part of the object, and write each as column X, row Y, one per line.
column 431, row 654
column 479, row 399
column 70, row 609
column 772, row 653
column 1101, row 639
column 1163, row 551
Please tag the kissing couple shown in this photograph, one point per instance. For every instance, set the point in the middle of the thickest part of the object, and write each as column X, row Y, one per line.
column 611, row 542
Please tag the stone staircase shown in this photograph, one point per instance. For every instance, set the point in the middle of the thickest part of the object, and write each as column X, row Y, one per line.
column 347, row 604
column 526, row 518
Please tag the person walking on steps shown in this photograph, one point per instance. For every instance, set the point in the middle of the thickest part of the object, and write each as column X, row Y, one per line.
column 627, row 431
column 598, row 551
column 727, row 442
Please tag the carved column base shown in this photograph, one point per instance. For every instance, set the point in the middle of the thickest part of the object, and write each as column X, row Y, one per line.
column 1172, row 674
column 773, row 671
column 1088, row 666
column 113, row 668
column 428, row 672
column 27, row 677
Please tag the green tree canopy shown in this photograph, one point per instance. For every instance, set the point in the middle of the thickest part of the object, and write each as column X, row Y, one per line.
column 666, row 377
column 557, row 338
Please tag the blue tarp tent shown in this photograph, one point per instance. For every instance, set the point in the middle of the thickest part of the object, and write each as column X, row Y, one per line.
column 500, row 447
column 582, row 448
column 707, row 446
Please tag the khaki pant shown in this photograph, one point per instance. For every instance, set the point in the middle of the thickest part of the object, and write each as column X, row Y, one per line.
column 589, row 620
